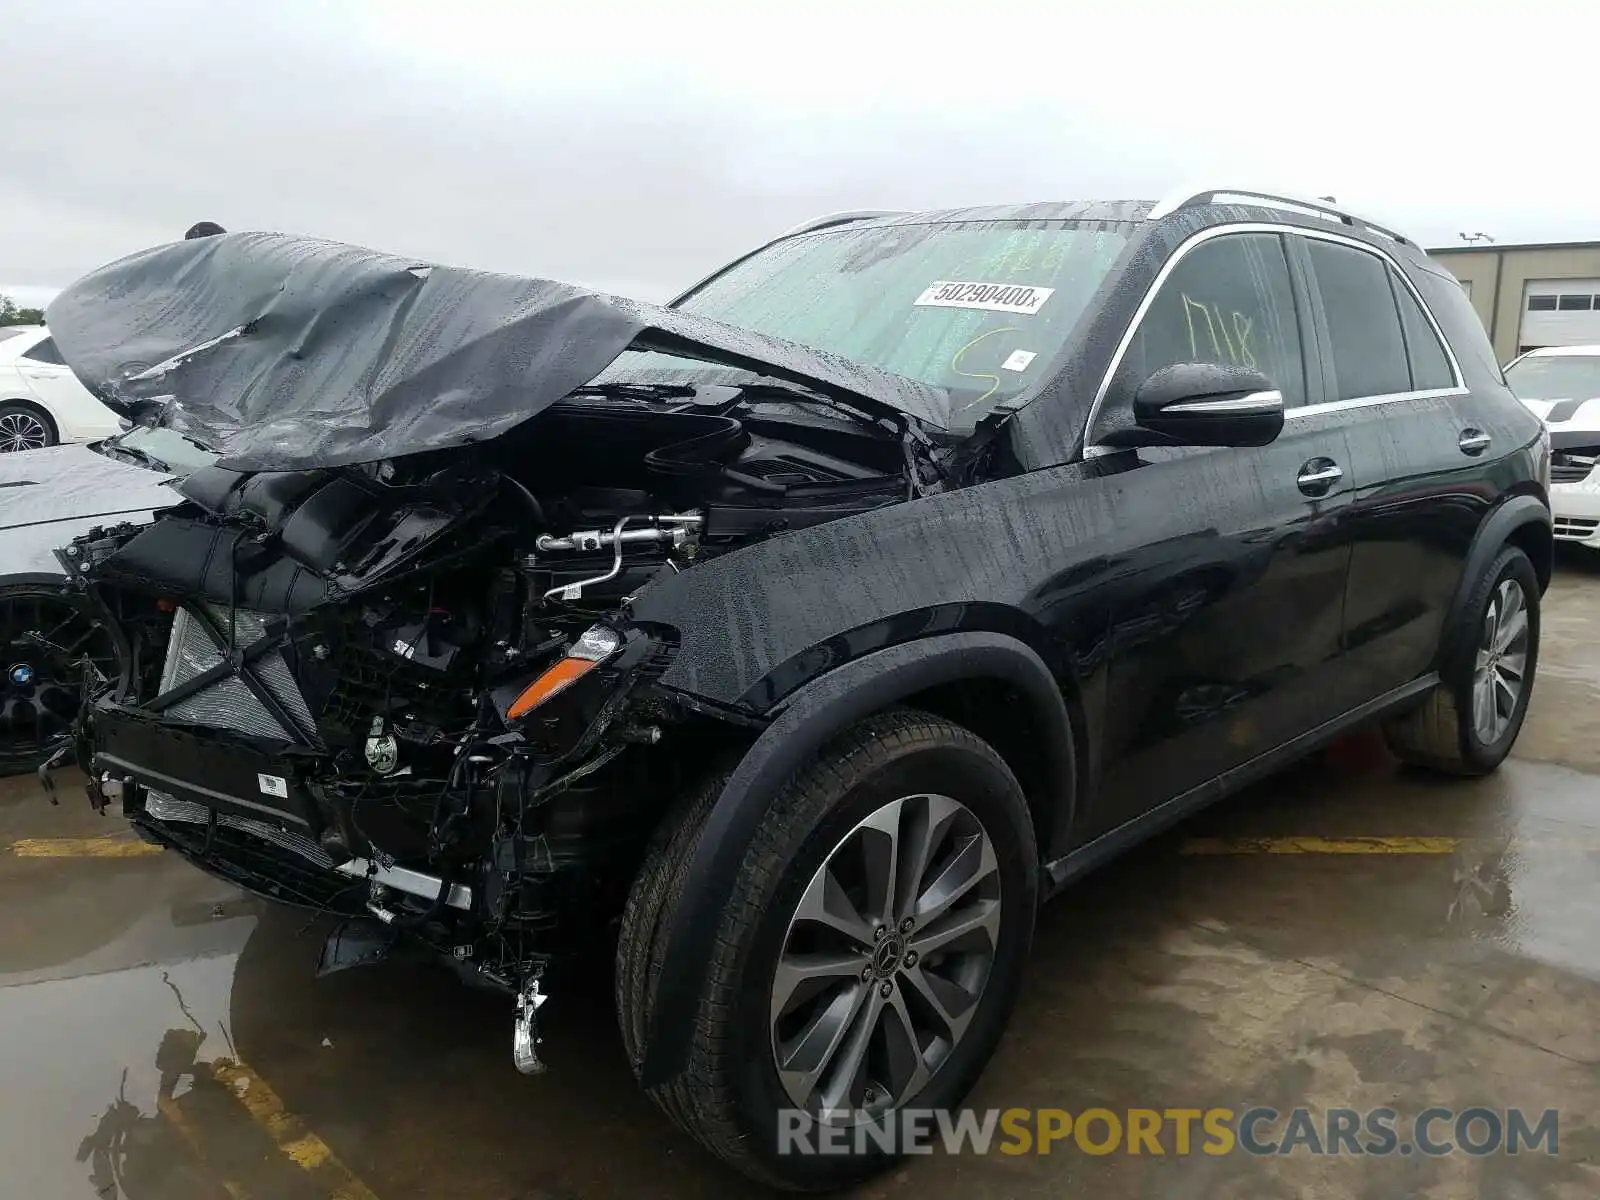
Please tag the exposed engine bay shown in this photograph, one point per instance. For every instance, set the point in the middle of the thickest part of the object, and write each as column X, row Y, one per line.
column 410, row 690
column 384, row 659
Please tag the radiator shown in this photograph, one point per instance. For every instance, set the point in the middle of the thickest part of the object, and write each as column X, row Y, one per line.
column 228, row 703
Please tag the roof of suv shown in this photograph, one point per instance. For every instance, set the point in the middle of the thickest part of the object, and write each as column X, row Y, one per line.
column 1274, row 206
column 1287, row 208
column 1045, row 210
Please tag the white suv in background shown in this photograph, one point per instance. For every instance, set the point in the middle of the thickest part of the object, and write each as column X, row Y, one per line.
column 1561, row 384
column 41, row 400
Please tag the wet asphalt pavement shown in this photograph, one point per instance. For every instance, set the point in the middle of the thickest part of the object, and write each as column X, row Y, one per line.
column 163, row 1038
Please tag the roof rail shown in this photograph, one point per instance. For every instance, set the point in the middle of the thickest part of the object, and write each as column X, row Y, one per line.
column 1191, row 197
column 839, row 218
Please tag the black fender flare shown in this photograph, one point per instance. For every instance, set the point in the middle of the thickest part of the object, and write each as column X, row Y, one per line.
column 1493, row 534
column 810, row 717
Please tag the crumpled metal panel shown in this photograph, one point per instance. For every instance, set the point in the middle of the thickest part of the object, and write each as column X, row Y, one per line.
column 290, row 352
column 229, row 704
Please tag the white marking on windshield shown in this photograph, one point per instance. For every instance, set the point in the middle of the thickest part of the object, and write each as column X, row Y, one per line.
column 990, row 297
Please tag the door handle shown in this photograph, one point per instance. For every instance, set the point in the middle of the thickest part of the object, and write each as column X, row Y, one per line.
column 1473, row 441
column 1318, row 475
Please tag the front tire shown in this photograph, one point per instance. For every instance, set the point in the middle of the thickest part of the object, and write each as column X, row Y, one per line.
column 1470, row 721
column 868, row 957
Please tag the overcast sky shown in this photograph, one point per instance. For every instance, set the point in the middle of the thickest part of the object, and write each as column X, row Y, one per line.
column 632, row 147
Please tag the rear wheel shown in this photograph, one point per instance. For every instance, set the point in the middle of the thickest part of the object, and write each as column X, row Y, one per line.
column 1471, row 720
column 868, row 957
column 24, row 427
column 44, row 635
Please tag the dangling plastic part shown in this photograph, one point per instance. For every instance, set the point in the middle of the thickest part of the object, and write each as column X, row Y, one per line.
column 525, row 1031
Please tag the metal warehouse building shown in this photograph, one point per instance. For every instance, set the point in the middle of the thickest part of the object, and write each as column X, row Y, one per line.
column 1531, row 295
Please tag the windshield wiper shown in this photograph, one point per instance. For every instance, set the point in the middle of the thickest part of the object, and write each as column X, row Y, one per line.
column 648, row 393
column 791, row 393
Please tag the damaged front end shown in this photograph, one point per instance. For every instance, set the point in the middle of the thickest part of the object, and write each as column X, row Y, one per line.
column 413, row 693
column 382, row 659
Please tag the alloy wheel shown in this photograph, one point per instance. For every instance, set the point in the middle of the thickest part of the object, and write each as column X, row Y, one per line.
column 885, row 958
column 43, row 640
column 1500, row 674
column 20, row 430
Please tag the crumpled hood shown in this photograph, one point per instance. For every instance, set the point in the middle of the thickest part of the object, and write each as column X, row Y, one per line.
column 289, row 352
column 60, row 483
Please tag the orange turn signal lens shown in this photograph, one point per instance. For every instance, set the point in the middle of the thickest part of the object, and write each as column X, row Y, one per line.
column 593, row 647
column 564, row 674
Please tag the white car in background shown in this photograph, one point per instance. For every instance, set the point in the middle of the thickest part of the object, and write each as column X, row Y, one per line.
column 41, row 400
column 1561, row 384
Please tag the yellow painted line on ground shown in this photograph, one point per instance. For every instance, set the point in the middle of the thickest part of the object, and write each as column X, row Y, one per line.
column 169, row 1109
column 96, row 847
column 1323, row 845
column 298, row 1143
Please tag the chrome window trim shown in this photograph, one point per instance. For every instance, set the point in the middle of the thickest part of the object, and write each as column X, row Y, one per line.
column 1311, row 410
column 1459, row 388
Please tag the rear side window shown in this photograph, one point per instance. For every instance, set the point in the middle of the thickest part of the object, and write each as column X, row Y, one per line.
column 1226, row 301
column 45, row 352
column 1429, row 366
column 1369, row 353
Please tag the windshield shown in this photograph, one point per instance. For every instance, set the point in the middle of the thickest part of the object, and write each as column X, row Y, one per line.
column 978, row 308
column 168, row 447
column 1555, row 377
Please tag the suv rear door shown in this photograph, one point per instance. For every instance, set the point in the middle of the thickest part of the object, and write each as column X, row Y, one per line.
column 1226, row 612
column 1419, row 456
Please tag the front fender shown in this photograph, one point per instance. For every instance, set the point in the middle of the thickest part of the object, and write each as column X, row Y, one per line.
column 811, row 716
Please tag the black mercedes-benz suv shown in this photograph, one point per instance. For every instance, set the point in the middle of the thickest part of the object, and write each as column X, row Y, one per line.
column 805, row 633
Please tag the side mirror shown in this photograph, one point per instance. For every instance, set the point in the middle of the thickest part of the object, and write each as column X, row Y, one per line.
column 1208, row 404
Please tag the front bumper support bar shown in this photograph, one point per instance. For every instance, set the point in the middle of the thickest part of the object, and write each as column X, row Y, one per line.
column 404, row 879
